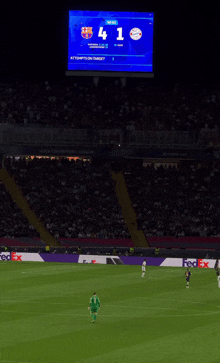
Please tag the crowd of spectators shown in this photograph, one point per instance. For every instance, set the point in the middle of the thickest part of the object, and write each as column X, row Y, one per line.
column 77, row 199
column 176, row 201
column 137, row 106
column 72, row 199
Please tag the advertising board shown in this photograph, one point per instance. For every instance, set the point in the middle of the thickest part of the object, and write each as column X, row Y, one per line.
column 107, row 259
column 5, row 256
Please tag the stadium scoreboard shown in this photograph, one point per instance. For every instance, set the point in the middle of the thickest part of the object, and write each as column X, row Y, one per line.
column 116, row 43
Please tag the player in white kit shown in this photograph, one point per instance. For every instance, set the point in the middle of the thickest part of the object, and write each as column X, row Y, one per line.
column 218, row 277
column 144, row 267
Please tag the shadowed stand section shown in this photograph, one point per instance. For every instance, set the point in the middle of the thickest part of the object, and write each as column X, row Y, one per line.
column 22, row 203
column 128, row 212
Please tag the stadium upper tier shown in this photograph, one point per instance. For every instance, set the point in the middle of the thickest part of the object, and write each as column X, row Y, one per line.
column 109, row 105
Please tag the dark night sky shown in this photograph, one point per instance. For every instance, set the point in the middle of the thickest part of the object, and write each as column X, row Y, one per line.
column 33, row 38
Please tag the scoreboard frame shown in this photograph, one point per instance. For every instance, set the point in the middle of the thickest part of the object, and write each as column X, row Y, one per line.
column 118, row 73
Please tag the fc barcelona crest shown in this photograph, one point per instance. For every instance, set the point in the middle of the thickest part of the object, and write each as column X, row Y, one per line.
column 86, row 32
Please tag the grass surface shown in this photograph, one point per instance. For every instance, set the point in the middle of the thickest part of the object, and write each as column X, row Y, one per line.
column 45, row 317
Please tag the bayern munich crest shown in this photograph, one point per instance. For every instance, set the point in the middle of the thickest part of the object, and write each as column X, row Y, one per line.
column 86, row 32
column 135, row 33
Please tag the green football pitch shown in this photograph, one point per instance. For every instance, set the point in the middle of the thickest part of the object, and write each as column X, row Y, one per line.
column 45, row 316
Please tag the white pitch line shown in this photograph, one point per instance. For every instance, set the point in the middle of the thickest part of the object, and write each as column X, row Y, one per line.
column 114, row 306
column 30, row 313
column 33, row 302
column 72, row 314
column 121, row 306
column 188, row 302
column 152, row 307
column 117, row 316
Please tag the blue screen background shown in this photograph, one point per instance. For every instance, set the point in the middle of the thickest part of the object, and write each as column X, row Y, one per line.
column 133, row 56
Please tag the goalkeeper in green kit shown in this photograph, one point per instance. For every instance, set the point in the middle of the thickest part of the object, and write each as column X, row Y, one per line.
column 94, row 306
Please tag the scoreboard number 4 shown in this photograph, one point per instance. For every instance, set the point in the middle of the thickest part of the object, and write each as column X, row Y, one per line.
column 102, row 34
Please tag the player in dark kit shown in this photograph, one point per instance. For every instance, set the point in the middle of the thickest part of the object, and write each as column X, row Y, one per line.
column 187, row 274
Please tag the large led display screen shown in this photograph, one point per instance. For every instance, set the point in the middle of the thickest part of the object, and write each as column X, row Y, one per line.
column 101, row 41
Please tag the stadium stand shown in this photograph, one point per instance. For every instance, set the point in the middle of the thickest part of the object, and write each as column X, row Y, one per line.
column 73, row 200
column 140, row 107
column 178, row 202
column 78, row 199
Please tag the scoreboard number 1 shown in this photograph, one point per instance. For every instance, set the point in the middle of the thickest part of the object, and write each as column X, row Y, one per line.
column 102, row 34
column 120, row 37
